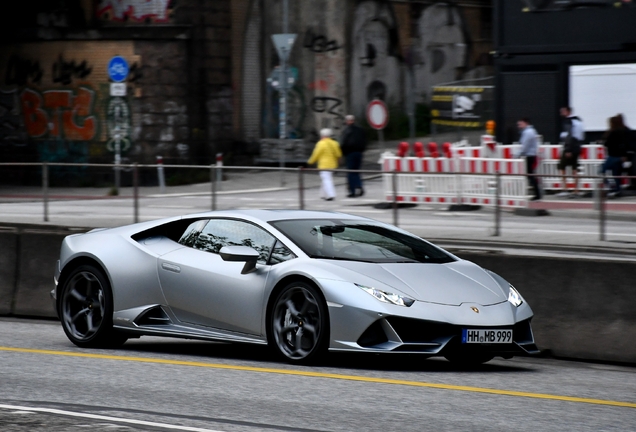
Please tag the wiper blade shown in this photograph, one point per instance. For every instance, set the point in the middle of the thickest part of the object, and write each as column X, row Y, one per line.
column 340, row 258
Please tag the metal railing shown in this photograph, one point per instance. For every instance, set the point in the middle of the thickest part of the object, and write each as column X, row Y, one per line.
column 215, row 174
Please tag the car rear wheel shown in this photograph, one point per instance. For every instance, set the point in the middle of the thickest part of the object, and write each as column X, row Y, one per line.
column 298, row 328
column 86, row 309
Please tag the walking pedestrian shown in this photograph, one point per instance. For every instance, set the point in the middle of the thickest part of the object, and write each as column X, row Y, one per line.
column 615, row 141
column 573, row 135
column 353, row 143
column 326, row 155
column 529, row 148
column 629, row 166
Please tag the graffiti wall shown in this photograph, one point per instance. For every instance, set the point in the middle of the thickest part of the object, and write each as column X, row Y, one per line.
column 159, row 11
column 376, row 62
column 323, row 53
column 440, row 51
column 349, row 52
column 54, row 96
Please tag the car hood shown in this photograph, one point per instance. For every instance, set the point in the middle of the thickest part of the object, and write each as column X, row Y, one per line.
column 450, row 284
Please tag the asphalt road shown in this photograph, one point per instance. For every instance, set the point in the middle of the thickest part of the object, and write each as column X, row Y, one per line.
column 152, row 384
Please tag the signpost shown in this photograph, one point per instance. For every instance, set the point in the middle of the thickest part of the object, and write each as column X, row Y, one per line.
column 118, row 69
column 378, row 117
column 283, row 43
column 118, row 111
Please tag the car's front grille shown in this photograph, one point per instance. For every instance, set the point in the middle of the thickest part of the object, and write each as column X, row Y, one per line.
column 407, row 334
column 421, row 331
column 374, row 335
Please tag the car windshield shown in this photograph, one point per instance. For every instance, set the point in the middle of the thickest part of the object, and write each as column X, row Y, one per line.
column 355, row 240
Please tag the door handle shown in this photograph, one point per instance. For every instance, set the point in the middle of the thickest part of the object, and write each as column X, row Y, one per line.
column 171, row 267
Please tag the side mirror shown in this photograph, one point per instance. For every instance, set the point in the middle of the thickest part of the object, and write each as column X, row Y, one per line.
column 240, row 254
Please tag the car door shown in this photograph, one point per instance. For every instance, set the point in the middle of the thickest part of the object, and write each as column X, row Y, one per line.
column 202, row 289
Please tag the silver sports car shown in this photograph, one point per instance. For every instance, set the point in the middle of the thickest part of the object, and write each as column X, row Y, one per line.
column 303, row 282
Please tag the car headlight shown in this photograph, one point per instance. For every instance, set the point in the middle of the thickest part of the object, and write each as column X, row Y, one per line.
column 387, row 297
column 514, row 297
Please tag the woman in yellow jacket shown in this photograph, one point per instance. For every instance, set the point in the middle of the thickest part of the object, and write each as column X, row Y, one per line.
column 326, row 154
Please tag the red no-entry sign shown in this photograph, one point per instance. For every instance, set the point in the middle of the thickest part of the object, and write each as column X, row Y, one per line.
column 377, row 114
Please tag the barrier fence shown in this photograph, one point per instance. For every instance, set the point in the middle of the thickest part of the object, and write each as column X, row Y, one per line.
column 499, row 190
column 454, row 181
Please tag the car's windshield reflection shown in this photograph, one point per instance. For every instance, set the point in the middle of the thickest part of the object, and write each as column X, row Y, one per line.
column 359, row 241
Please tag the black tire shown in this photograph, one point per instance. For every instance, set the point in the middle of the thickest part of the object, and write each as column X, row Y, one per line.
column 86, row 309
column 298, row 328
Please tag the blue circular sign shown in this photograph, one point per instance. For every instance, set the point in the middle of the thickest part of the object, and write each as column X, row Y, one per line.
column 118, row 69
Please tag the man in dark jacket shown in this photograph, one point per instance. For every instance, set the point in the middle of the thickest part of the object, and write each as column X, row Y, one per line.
column 353, row 142
column 573, row 135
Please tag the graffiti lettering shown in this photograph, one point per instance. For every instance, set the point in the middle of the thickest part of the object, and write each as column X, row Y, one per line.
column 11, row 130
column 64, row 151
column 321, row 104
column 320, row 84
column 318, row 43
column 19, row 71
column 63, row 72
column 61, row 113
column 134, row 10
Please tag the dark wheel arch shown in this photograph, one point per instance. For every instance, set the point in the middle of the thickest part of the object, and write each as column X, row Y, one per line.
column 326, row 331
column 85, row 306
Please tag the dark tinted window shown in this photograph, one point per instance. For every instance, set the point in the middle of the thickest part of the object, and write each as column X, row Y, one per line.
column 192, row 232
column 280, row 254
column 359, row 241
column 211, row 235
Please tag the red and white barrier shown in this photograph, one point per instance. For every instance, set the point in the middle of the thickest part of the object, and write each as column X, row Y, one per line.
column 438, row 184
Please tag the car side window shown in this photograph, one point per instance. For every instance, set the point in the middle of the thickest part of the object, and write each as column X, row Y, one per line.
column 190, row 235
column 280, row 254
column 226, row 232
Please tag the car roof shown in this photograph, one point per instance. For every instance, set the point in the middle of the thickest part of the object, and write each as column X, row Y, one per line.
column 269, row 215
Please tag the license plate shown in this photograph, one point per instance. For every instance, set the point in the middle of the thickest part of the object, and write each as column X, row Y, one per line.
column 500, row 336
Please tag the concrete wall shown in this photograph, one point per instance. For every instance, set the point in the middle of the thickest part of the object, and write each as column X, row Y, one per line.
column 27, row 265
column 584, row 308
column 8, row 269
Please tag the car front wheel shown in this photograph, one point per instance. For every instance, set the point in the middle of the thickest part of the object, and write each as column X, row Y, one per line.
column 298, row 328
column 86, row 309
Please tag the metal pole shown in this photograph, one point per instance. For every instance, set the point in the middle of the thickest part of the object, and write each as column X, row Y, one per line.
column 45, row 190
column 601, row 208
column 410, row 103
column 395, row 203
column 281, row 162
column 161, row 175
column 301, row 189
column 136, row 191
column 497, row 204
column 284, row 83
column 213, row 184
column 117, row 158
column 381, row 138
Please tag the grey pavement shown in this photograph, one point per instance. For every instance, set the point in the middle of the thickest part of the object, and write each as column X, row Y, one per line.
column 571, row 223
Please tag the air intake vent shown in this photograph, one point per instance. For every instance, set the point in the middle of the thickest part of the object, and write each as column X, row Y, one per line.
column 153, row 317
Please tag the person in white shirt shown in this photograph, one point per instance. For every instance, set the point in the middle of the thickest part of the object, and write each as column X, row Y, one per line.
column 529, row 148
column 573, row 135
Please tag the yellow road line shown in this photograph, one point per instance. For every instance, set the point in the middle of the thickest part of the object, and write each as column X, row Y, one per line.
column 330, row 376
